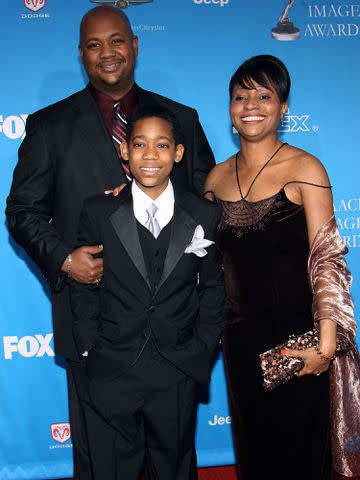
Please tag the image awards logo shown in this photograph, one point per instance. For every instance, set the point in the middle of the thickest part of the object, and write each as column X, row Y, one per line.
column 60, row 432
column 121, row 3
column 35, row 5
column 285, row 29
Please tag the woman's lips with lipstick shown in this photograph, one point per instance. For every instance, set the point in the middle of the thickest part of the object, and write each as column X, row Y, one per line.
column 252, row 118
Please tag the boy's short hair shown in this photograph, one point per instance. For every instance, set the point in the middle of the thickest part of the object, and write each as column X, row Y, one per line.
column 157, row 112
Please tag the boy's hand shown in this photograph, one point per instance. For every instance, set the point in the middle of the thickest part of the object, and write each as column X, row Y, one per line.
column 116, row 190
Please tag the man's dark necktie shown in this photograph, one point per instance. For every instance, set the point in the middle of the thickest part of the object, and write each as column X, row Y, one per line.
column 119, row 135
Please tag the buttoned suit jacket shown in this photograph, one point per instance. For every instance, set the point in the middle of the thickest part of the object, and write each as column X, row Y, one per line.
column 67, row 156
column 184, row 315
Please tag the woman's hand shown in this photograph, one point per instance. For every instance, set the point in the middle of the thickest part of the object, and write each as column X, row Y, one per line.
column 315, row 362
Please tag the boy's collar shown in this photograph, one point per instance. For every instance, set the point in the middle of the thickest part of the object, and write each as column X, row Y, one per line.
column 168, row 193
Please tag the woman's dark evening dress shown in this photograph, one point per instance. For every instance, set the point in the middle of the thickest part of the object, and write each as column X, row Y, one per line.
column 283, row 434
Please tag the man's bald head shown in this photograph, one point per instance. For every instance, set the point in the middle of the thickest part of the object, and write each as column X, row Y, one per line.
column 101, row 12
column 108, row 49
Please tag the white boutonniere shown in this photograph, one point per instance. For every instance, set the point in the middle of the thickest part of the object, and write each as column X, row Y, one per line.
column 198, row 243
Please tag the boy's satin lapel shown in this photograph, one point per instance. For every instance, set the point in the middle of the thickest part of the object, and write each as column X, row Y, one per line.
column 181, row 234
column 124, row 223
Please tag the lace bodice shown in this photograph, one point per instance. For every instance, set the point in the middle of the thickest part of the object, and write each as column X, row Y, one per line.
column 242, row 216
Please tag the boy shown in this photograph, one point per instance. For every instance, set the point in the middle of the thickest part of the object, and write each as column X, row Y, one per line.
column 150, row 328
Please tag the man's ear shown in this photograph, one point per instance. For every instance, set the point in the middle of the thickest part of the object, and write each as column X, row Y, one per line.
column 179, row 152
column 124, row 149
column 135, row 42
column 81, row 53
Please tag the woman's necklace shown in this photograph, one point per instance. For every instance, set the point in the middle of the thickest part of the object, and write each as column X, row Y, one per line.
column 256, row 176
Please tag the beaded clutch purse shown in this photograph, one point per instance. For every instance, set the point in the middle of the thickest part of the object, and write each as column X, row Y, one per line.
column 278, row 369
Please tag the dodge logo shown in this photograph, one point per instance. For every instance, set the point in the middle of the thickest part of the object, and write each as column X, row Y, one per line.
column 60, row 432
column 34, row 5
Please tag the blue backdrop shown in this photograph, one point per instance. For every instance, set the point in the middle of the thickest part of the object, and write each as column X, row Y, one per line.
column 188, row 51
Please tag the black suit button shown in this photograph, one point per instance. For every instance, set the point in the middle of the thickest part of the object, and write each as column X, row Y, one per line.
column 151, row 308
column 156, row 253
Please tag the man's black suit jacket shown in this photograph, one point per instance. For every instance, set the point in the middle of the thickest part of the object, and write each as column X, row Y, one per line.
column 67, row 156
column 184, row 315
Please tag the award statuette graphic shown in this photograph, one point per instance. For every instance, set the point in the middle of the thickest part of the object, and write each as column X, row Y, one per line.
column 285, row 29
column 121, row 3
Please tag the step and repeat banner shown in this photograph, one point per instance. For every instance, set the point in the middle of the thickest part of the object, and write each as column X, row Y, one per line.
column 188, row 51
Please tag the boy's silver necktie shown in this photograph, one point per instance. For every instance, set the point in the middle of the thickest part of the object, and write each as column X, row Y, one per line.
column 151, row 223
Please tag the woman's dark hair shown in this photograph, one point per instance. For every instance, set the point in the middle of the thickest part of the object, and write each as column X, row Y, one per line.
column 157, row 112
column 265, row 70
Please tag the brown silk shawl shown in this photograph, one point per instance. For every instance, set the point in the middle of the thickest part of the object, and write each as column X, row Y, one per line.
column 330, row 281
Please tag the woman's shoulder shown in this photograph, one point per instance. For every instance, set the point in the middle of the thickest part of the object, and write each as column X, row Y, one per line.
column 216, row 177
column 306, row 167
column 220, row 170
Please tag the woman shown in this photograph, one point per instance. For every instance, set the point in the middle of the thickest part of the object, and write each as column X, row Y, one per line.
column 275, row 198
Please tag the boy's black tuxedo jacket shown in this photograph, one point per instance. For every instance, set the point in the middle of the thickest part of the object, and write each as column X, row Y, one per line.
column 67, row 156
column 184, row 315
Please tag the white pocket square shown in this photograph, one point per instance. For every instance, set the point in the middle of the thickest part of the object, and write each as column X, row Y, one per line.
column 198, row 243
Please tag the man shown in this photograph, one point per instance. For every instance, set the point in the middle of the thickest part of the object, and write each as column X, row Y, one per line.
column 69, row 154
column 150, row 328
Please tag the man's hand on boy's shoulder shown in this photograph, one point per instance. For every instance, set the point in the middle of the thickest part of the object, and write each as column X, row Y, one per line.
column 116, row 190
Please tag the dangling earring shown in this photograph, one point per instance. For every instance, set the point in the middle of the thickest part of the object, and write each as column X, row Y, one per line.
column 282, row 121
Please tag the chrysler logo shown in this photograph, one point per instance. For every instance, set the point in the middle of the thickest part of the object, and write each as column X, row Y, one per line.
column 121, row 3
